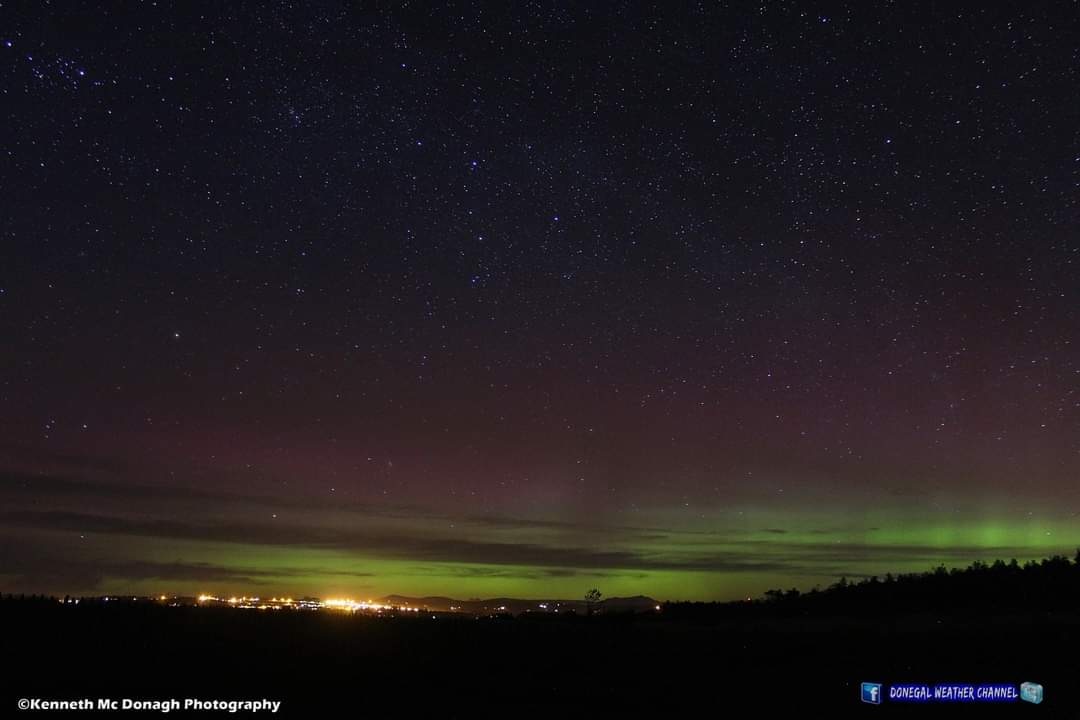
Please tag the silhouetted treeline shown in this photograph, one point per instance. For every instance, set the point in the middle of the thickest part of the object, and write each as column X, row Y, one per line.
column 1049, row 584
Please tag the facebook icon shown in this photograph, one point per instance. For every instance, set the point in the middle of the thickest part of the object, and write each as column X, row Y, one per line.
column 871, row 693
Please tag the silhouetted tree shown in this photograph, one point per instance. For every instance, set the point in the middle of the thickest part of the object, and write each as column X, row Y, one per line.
column 592, row 599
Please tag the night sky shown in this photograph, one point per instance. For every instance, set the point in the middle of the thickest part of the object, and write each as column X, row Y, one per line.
column 525, row 299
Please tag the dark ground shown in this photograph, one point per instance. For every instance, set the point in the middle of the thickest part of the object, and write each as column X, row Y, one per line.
column 315, row 662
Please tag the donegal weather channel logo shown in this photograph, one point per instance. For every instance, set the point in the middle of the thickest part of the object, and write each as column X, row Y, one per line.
column 875, row 693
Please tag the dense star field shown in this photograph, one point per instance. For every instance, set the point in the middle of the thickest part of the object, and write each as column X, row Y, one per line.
column 523, row 300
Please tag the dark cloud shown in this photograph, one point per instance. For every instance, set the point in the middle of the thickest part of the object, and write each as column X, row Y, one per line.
column 45, row 565
column 742, row 556
column 39, row 489
column 400, row 545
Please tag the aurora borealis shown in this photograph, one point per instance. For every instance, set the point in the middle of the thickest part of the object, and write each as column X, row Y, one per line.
column 480, row 302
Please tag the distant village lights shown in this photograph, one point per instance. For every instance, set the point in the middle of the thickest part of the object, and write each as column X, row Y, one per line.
column 275, row 603
column 349, row 605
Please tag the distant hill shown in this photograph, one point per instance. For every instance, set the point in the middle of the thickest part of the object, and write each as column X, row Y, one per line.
column 516, row 606
column 636, row 603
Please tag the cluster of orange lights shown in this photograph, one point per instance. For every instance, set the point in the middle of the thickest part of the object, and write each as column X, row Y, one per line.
column 257, row 603
column 363, row 606
column 276, row 603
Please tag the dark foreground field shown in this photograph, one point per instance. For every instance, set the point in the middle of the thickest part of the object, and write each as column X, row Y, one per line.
column 315, row 662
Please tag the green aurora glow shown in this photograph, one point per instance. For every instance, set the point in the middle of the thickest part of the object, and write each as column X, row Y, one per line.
column 310, row 550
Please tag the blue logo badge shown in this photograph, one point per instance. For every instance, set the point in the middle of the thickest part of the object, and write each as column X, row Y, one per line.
column 871, row 693
column 1031, row 692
